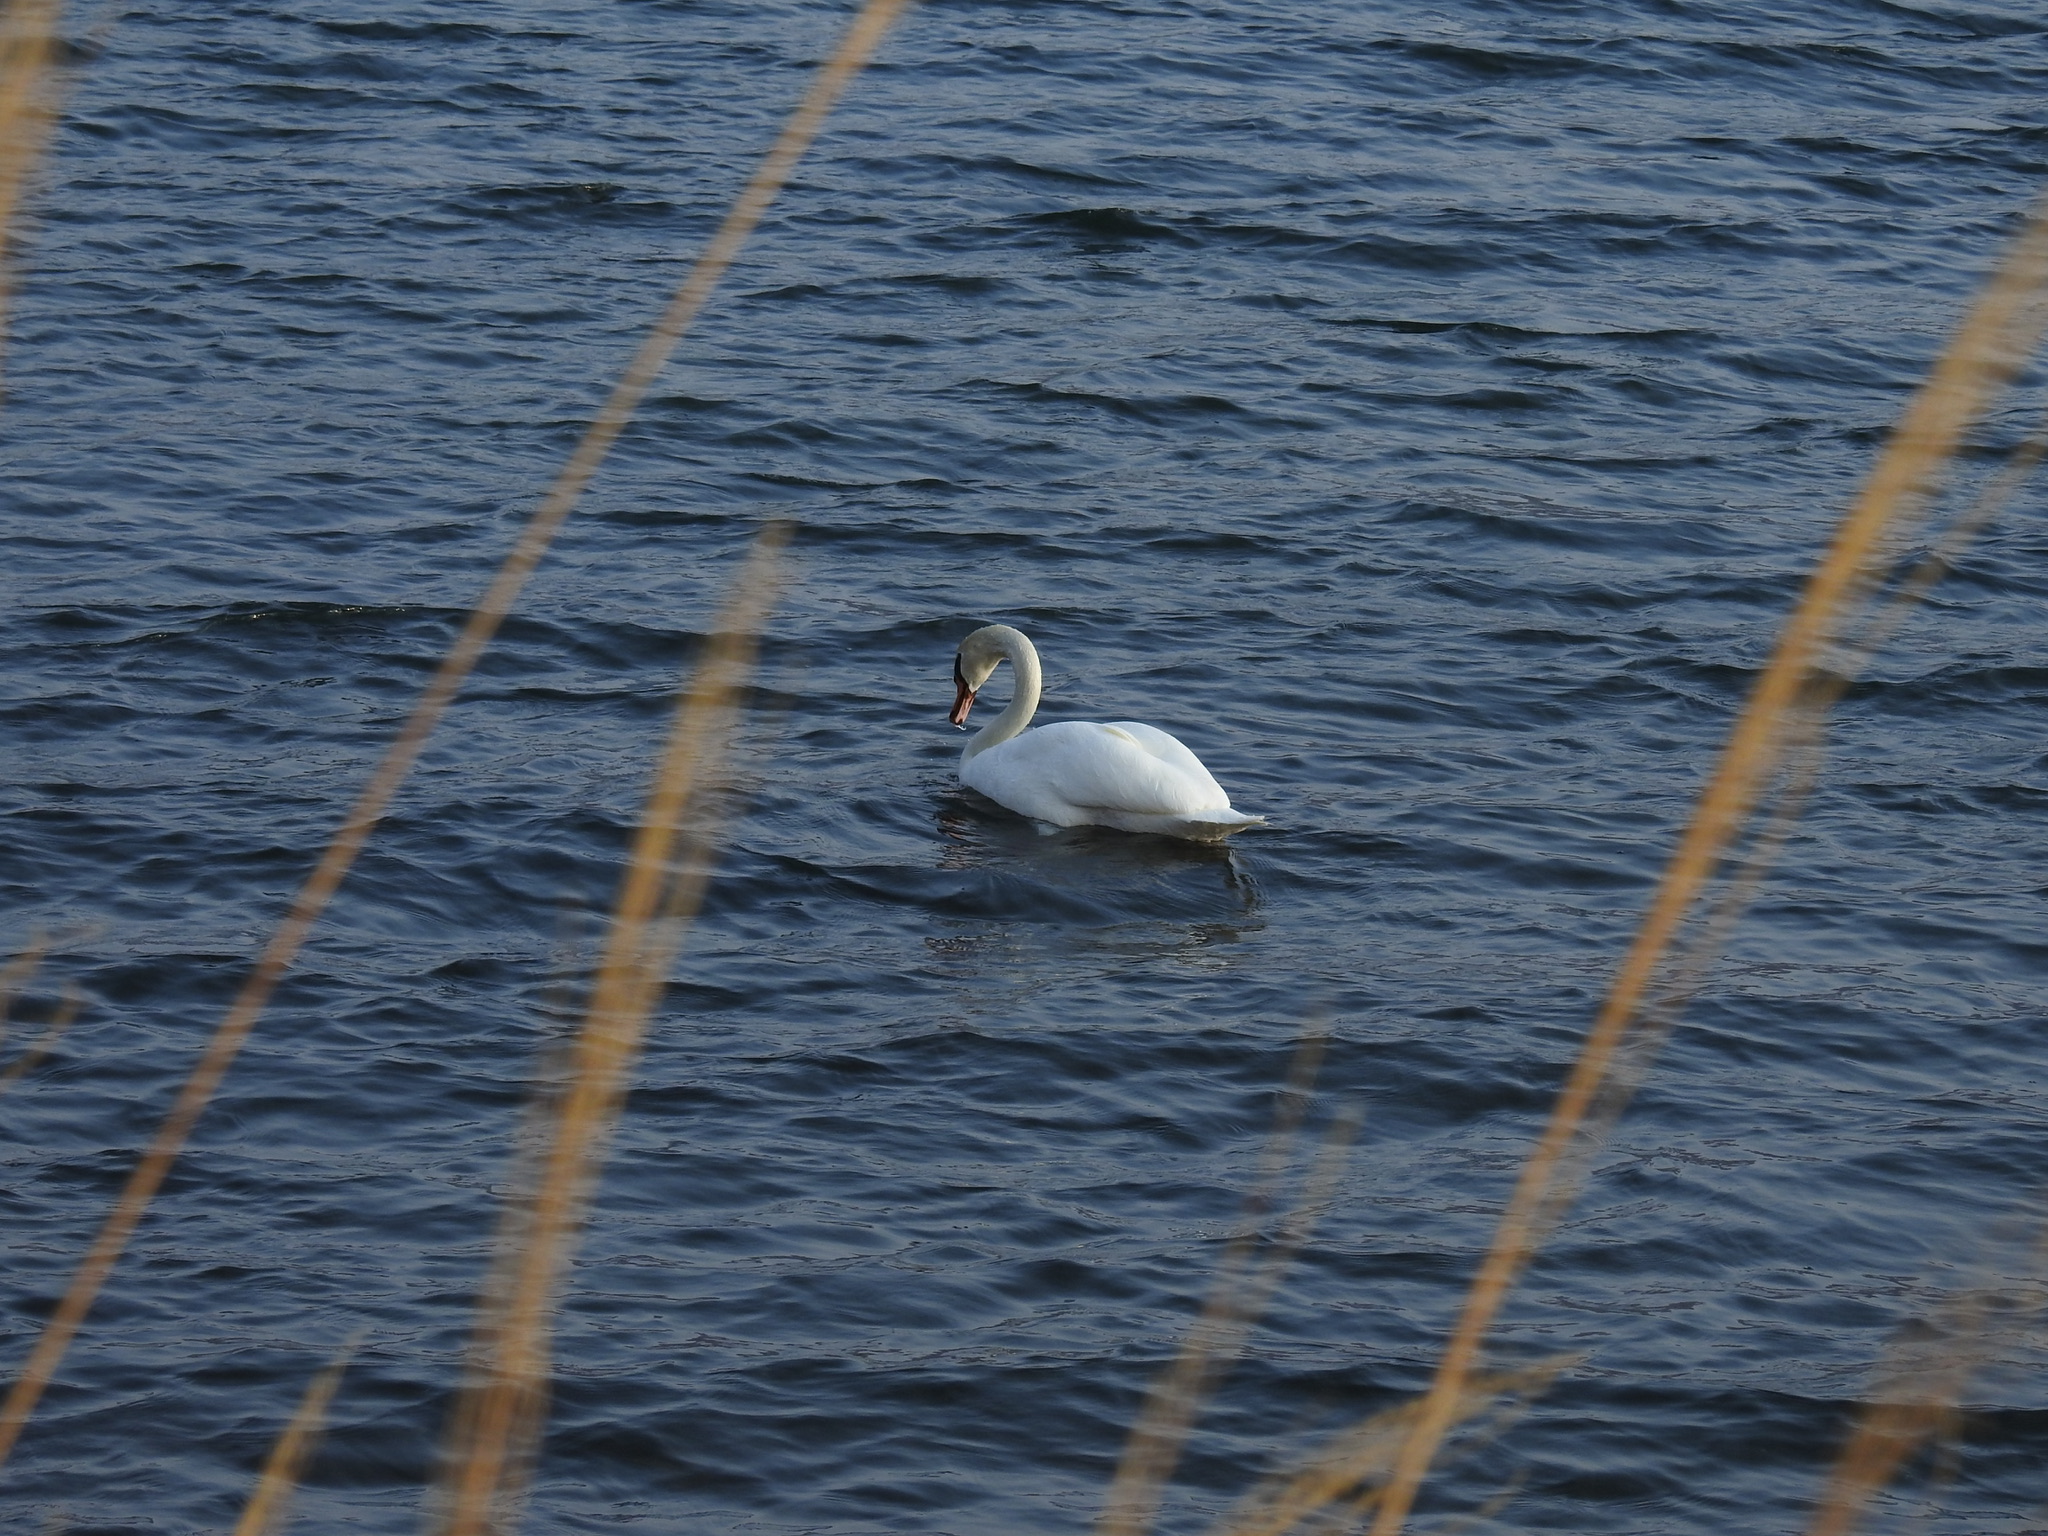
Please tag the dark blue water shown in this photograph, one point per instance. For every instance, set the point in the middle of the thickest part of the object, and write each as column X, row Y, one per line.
column 1427, row 412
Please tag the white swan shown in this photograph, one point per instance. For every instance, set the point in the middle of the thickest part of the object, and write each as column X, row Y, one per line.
column 1077, row 773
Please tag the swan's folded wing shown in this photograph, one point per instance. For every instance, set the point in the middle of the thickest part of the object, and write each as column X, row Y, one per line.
column 1087, row 766
column 1171, row 750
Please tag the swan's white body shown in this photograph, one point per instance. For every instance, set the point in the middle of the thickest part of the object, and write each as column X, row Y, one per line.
column 1077, row 773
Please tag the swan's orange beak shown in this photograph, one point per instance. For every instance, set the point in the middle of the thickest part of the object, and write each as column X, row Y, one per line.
column 963, row 696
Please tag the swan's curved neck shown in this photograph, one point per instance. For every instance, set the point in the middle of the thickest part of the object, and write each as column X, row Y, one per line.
column 1023, row 658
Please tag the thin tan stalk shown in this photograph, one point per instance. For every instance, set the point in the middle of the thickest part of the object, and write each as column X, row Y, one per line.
column 1236, row 1301
column 233, row 1032
column 265, row 1511
column 486, row 1396
column 28, row 111
column 1343, row 1480
column 1932, row 567
column 30, row 1059
column 1156, row 1439
column 1887, row 1437
column 1804, row 748
column 2001, row 331
column 1916, row 1397
column 498, row 1418
column 1317, row 1191
column 1914, row 1401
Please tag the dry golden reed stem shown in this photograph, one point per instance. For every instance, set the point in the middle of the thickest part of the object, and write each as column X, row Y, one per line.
column 2001, row 331
column 28, row 111
column 265, row 1511
column 1914, row 1401
column 1236, row 1300
column 1213, row 1346
column 498, row 1418
column 1345, row 1477
column 1916, row 1397
column 233, row 1032
column 1154, row 1445
column 1804, row 753
column 1886, row 1438
column 28, row 1060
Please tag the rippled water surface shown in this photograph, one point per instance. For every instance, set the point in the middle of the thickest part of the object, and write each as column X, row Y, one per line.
column 1426, row 411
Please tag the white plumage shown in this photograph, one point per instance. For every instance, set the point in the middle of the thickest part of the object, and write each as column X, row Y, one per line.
column 1078, row 773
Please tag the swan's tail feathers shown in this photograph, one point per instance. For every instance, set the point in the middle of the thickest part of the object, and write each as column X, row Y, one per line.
column 1215, row 826
column 1202, row 825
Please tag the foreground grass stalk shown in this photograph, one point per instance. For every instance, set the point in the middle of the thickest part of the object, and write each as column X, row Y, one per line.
column 265, row 1511
column 1154, row 1446
column 1344, row 1480
column 1915, row 1400
column 1887, row 1436
column 311, row 901
column 499, row 1415
column 1235, row 1304
column 1803, row 752
column 28, row 111
column 2001, row 331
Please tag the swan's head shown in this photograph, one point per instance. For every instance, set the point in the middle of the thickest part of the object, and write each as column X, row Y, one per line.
column 979, row 654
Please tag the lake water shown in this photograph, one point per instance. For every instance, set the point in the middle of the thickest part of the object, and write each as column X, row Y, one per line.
column 1427, row 411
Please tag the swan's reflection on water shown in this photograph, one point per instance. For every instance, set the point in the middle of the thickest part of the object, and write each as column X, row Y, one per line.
column 1121, row 894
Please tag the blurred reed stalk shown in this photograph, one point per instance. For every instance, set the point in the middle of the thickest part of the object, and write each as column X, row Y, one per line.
column 1237, row 1297
column 28, row 111
column 1329, row 1491
column 1805, row 752
column 1746, row 807
column 1915, row 1399
column 1335, row 1486
column 495, row 1428
column 264, row 1514
column 830, row 83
